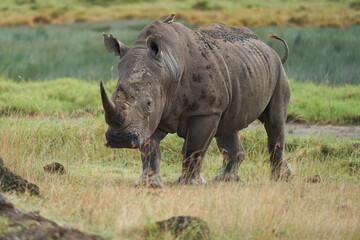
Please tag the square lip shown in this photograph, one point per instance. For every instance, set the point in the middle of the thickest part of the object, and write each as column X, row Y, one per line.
column 120, row 145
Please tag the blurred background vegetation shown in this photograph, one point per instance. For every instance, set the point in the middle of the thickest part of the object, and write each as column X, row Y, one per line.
column 319, row 54
column 323, row 35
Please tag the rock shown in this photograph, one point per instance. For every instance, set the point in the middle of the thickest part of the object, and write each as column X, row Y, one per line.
column 313, row 179
column 10, row 181
column 5, row 205
column 32, row 225
column 187, row 227
column 55, row 167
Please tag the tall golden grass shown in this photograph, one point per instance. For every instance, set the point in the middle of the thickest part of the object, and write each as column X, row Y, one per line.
column 97, row 193
column 251, row 210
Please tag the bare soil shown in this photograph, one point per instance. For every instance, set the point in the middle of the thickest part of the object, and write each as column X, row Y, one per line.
column 303, row 129
column 321, row 130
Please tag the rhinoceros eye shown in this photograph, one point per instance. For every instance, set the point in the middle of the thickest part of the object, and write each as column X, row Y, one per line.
column 148, row 106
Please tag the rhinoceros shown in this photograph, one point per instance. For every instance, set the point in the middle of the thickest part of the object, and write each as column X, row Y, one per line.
column 208, row 82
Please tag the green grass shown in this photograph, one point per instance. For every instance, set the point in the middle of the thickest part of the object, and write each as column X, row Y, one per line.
column 325, row 55
column 63, row 96
column 314, row 103
column 321, row 103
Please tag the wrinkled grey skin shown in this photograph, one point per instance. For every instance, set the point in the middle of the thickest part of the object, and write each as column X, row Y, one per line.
column 203, row 83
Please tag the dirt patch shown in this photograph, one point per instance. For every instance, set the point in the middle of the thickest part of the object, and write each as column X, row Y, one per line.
column 303, row 129
column 324, row 130
column 32, row 225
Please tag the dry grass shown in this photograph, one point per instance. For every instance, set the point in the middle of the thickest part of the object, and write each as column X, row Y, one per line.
column 97, row 193
column 252, row 210
column 250, row 13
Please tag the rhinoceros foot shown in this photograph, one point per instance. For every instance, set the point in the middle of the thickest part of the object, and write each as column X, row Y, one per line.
column 153, row 181
column 283, row 172
column 283, row 176
column 227, row 177
column 190, row 180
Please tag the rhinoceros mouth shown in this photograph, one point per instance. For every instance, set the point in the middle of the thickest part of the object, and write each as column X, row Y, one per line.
column 120, row 145
column 122, row 139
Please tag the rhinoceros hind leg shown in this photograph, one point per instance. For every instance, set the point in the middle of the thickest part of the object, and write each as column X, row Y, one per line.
column 273, row 119
column 233, row 153
column 280, row 168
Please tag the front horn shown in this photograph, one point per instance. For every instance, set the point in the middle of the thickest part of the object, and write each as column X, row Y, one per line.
column 108, row 105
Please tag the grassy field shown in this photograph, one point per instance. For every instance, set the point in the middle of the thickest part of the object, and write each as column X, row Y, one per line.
column 97, row 193
column 247, row 12
column 324, row 55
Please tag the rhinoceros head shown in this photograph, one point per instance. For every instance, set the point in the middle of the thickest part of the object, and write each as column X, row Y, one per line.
column 136, row 106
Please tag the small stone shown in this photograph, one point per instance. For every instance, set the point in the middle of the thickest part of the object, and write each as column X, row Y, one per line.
column 313, row 179
column 187, row 227
column 55, row 167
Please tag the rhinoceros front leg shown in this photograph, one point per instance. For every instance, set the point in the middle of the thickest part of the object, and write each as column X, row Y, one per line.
column 233, row 153
column 200, row 132
column 151, row 158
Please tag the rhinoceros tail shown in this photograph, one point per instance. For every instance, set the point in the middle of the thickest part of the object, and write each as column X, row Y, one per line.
column 283, row 60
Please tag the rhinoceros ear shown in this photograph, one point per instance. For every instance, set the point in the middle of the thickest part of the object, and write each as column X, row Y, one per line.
column 154, row 44
column 113, row 45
